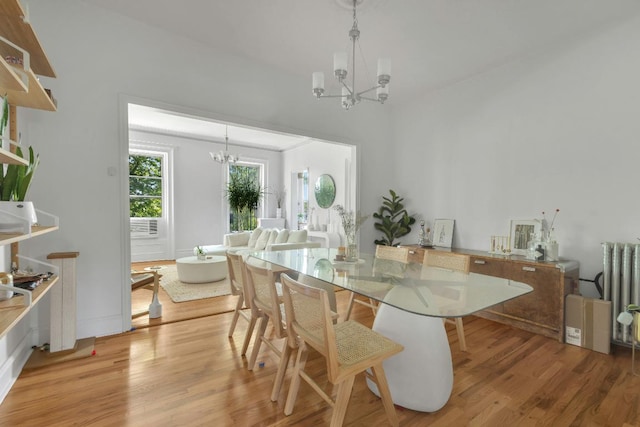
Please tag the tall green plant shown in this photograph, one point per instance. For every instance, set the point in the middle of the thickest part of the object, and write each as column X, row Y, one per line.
column 393, row 220
column 243, row 194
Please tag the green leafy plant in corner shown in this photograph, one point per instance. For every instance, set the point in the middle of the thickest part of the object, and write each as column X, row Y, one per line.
column 393, row 220
column 15, row 181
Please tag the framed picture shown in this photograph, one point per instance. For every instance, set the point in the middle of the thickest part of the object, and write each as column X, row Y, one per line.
column 443, row 232
column 522, row 230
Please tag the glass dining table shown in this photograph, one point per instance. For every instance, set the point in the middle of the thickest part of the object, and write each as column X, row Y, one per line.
column 414, row 298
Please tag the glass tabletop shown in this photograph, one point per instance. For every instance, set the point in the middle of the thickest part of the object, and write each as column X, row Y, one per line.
column 428, row 291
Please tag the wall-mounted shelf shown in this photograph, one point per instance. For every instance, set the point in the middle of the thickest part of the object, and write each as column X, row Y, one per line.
column 14, row 309
column 9, row 79
column 14, row 28
column 7, row 157
column 7, row 238
column 35, row 97
column 20, row 41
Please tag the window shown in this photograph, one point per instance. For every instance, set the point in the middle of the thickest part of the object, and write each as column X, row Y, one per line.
column 147, row 172
column 145, row 186
column 244, row 193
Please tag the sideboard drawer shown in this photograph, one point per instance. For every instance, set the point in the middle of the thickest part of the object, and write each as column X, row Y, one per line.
column 487, row 266
column 416, row 255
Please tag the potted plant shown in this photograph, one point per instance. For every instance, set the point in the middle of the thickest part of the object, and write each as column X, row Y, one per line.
column 393, row 220
column 243, row 194
column 14, row 184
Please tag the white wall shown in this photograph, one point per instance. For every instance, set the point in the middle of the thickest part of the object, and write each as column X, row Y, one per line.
column 558, row 129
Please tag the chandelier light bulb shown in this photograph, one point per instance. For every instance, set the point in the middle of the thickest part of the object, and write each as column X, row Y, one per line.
column 340, row 65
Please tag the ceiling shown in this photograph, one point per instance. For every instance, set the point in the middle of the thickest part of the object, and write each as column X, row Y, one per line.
column 173, row 123
column 431, row 43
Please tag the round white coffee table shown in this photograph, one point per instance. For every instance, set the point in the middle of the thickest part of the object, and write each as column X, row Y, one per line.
column 192, row 270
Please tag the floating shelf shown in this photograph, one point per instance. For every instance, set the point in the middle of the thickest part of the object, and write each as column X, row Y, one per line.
column 9, row 79
column 7, row 157
column 20, row 41
column 7, row 238
column 35, row 97
column 14, row 309
column 14, row 28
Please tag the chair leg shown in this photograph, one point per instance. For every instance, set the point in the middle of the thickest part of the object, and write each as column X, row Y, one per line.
column 301, row 360
column 282, row 369
column 349, row 306
column 258, row 340
column 460, row 330
column 248, row 334
column 342, row 401
column 383, row 388
column 374, row 306
column 236, row 314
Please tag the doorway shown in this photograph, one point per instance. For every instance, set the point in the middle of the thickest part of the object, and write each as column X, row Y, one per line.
column 280, row 154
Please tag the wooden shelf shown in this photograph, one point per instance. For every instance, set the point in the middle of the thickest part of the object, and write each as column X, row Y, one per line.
column 12, row 310
column 12, row 27
column 9, row 79
column 35, row 97
column 7, row 157
column 7, row 238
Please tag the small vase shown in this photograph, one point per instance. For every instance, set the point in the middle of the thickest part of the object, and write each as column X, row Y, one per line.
column 201, row 257
column 352, row 253
column 278, row 212
column 351, row 247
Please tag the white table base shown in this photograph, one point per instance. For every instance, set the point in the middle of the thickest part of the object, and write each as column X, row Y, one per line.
column 420, row 377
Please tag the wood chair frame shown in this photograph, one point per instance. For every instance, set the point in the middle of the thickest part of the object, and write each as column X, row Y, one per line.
column 456, row 262
column 237, row 279
column 391, row 253
column 349, row 348
column 266, row 306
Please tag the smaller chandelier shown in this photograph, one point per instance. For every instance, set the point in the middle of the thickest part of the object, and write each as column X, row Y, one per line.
column 350, row 96
column 224, row 156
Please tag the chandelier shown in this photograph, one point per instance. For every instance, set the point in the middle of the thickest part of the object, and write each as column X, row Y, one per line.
column 224, row 156
column 350, row 96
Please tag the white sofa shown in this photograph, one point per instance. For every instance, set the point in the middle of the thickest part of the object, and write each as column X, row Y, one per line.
column 261, row 239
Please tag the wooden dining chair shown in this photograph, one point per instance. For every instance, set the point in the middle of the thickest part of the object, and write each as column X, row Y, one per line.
column 455, row 262
column 390, row 253
column 348, row 347
column 266, row 303
column 235, row 266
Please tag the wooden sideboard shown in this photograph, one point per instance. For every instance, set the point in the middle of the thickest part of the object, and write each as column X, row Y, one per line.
column 541, row 311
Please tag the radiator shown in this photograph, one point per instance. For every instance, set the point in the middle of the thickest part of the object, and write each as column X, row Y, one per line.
column 621, row 284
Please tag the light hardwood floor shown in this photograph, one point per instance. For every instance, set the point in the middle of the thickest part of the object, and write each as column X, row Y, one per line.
column 171, row 311
column 189, row 373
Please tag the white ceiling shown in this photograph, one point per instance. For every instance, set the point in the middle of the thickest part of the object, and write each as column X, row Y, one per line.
column 168, row 122
column 431, row 43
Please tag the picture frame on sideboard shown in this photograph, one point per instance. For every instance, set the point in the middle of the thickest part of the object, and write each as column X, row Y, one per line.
column 443, row 232
column 521, row 232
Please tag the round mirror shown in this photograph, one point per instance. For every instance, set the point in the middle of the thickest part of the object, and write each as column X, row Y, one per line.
column 325, row 191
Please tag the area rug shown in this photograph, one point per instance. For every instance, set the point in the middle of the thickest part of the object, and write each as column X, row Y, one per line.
column 181, row 292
